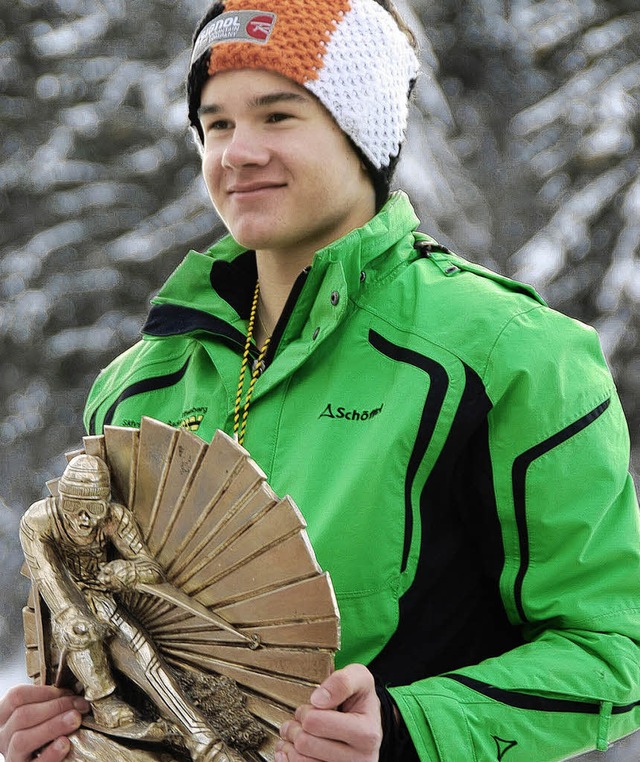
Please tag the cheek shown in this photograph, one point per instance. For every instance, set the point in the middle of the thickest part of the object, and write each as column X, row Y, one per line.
column 211, row 170
column 333, row 183
column 342, row 168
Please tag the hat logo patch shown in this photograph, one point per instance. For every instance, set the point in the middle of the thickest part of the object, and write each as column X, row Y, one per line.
column 235, row 26
column 260, row 26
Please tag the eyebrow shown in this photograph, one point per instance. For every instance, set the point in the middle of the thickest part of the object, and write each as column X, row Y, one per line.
column 260, row 101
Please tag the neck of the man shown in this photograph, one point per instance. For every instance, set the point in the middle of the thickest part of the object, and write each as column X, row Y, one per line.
column 279, row 269
column 277, row 275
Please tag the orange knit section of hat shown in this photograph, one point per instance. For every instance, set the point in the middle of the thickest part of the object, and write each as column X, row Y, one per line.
column 296, row 45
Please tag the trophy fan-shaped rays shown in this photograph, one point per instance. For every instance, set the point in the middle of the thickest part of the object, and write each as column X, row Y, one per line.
column 244, row 596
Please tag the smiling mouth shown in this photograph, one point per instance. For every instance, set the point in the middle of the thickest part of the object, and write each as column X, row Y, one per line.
column 250, row 189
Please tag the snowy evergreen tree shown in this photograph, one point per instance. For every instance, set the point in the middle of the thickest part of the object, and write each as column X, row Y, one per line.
column 545, row 98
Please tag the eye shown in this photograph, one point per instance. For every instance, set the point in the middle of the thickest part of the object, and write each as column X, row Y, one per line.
column 278, row 116
column 215, row 125
column 218, row 125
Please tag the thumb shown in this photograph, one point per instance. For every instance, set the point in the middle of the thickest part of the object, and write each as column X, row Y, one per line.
column 342, row 685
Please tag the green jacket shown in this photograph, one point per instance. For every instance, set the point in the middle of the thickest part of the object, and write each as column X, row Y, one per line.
column 460, row 455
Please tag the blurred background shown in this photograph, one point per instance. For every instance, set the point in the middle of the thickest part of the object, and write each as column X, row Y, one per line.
column 523, row 154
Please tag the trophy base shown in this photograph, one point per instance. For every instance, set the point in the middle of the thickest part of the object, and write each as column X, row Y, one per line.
column 88, row 745
column 150, row 732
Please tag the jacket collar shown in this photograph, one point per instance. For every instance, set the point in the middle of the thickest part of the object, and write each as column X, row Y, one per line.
column 211, row 290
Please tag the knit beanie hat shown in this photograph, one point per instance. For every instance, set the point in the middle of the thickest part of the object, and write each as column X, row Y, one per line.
column 350, row 54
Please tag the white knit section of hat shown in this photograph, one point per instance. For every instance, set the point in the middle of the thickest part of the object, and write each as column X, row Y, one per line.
column 364, row 82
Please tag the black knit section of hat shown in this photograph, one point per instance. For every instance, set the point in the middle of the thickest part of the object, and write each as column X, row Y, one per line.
column 199, row 72
column 381, row 178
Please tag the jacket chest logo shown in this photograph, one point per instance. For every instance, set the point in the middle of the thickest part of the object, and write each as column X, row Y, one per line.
column 341, row 412
column 190, row 420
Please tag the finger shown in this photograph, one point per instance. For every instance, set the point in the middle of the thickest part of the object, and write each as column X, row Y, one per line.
column 21, row 695
column 301, row 746
column 285, row 752
column 282, row 752
column 29, row 717
column 341, row 685
column 56, row 751
column 360, row 731
column 26, row 741
column 287, row 729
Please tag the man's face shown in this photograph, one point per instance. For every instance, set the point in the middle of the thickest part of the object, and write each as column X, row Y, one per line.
column 81, row 517
column 281, row 174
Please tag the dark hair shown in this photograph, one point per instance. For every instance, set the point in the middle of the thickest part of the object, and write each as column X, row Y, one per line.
column 199, row 72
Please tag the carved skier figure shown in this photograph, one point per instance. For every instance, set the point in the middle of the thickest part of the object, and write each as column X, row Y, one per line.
column 67, row 542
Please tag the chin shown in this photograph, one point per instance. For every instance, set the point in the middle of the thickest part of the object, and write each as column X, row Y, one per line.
column 258, row 232
column 255, row 240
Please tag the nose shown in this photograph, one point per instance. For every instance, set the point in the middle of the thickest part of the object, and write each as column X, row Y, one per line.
column 245, row 148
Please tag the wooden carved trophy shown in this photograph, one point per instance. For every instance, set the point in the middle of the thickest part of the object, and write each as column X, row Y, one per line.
column 174, row 589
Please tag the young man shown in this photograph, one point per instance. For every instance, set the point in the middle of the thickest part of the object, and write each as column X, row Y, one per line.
column 457, row 448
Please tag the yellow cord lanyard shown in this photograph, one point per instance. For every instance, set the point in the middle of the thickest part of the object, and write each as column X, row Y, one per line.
column 240, row 424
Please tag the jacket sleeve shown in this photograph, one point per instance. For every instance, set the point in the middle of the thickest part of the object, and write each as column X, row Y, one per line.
column 570, row 529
